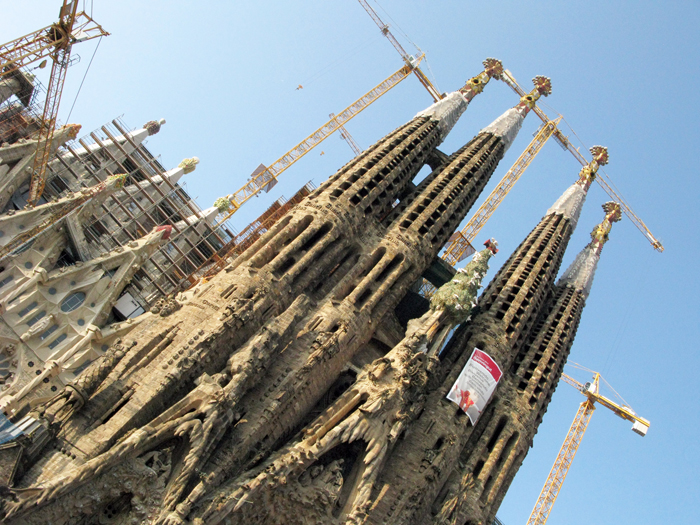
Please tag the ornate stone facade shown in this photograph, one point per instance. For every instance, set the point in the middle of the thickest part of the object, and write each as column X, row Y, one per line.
column 284, row 390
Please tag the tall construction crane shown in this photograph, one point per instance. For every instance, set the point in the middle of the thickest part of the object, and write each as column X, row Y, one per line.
column 556, row 477
column 460, row 247
column 563, row 140
column 264, row 178
column 54, row 42
column 345, row 135
column 408, row 59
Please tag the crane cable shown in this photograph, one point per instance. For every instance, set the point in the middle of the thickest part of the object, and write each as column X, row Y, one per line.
column 578, row 366
column 83, row 81
column 342, row 59
column 405, row 35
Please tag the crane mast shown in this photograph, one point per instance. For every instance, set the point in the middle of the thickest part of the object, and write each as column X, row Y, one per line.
column 42, row 43
column 566, row 455
column 264, row 178
column 508, row 78
column 408, row 59
column 56, row 42
column 460, row 245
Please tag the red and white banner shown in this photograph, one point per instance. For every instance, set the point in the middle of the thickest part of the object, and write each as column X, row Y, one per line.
column 475, row 384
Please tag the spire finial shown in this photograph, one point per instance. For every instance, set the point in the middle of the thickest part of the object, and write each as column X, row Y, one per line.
column 73, row 130
column 189, row 165
column 153, row 127
column 599, row 235
column 588, row 173
column 543, row 87
column 493, row 68
column 223, row 204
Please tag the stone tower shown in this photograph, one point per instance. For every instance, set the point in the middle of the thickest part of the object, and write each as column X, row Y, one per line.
column 424, row 464
column 165, row 426
column 499, row 444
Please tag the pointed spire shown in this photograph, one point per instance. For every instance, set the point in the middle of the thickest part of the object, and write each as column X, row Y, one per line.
column 588, row 173
column 16, row 228
column 581, row 272
column 137, row 137
column 448, row 110
column 571, row 202
column 493, row 68
column 173, row 175
column 508, row 125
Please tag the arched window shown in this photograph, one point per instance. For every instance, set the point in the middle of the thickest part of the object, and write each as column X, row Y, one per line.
column 24, row 311
column 34, row 320
column 57, row 341
column 6, row 280
column 72, row 302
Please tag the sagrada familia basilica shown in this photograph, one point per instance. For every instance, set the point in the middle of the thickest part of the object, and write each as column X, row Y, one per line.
column 306, row 382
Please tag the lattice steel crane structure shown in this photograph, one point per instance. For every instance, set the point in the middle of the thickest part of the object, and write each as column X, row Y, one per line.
column 264, row 178
column 54, row 42
column 408, row 59
column 508, row 78
column 460, row 245
column 556, row 477
column 345, row 135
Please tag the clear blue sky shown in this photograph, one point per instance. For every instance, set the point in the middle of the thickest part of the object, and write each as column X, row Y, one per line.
column 624, row 74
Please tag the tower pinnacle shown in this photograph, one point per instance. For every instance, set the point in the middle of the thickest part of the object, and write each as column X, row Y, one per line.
column 571, row 202
column 588, row 173
column 543, row 87
column 493, row 68
column 508, row 125
column 581, row 272
column 448, row 110
column 599, row 235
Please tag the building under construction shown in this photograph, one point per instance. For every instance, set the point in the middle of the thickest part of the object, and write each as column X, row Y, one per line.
column 306, row 382
column 104, row 193
column 327, row 364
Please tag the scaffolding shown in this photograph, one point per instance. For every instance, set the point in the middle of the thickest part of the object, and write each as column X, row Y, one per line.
column 254, row 231
column 20, row 115
column 133, row 211
column 129, row 213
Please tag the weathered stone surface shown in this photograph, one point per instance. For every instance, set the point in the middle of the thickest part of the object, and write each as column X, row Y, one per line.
column 285, row 391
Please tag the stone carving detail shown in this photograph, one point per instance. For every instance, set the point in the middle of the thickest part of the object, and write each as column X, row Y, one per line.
column 165, row 306
column 153, row 126
column 278, row 391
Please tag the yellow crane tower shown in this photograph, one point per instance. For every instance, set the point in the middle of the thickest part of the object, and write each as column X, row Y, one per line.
column 508, row 78
column 264, row 178
column 556, row 477
column 408, row 59
column 459, row 246
column 54, row 42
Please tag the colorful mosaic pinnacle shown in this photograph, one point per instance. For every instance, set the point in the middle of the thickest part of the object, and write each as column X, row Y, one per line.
column 222, row 204
column 543, row 87
column 599, row 235
column 153, row 127
column 117, row 181
column 588, row 173
column 189, row 165
column 493, row 68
